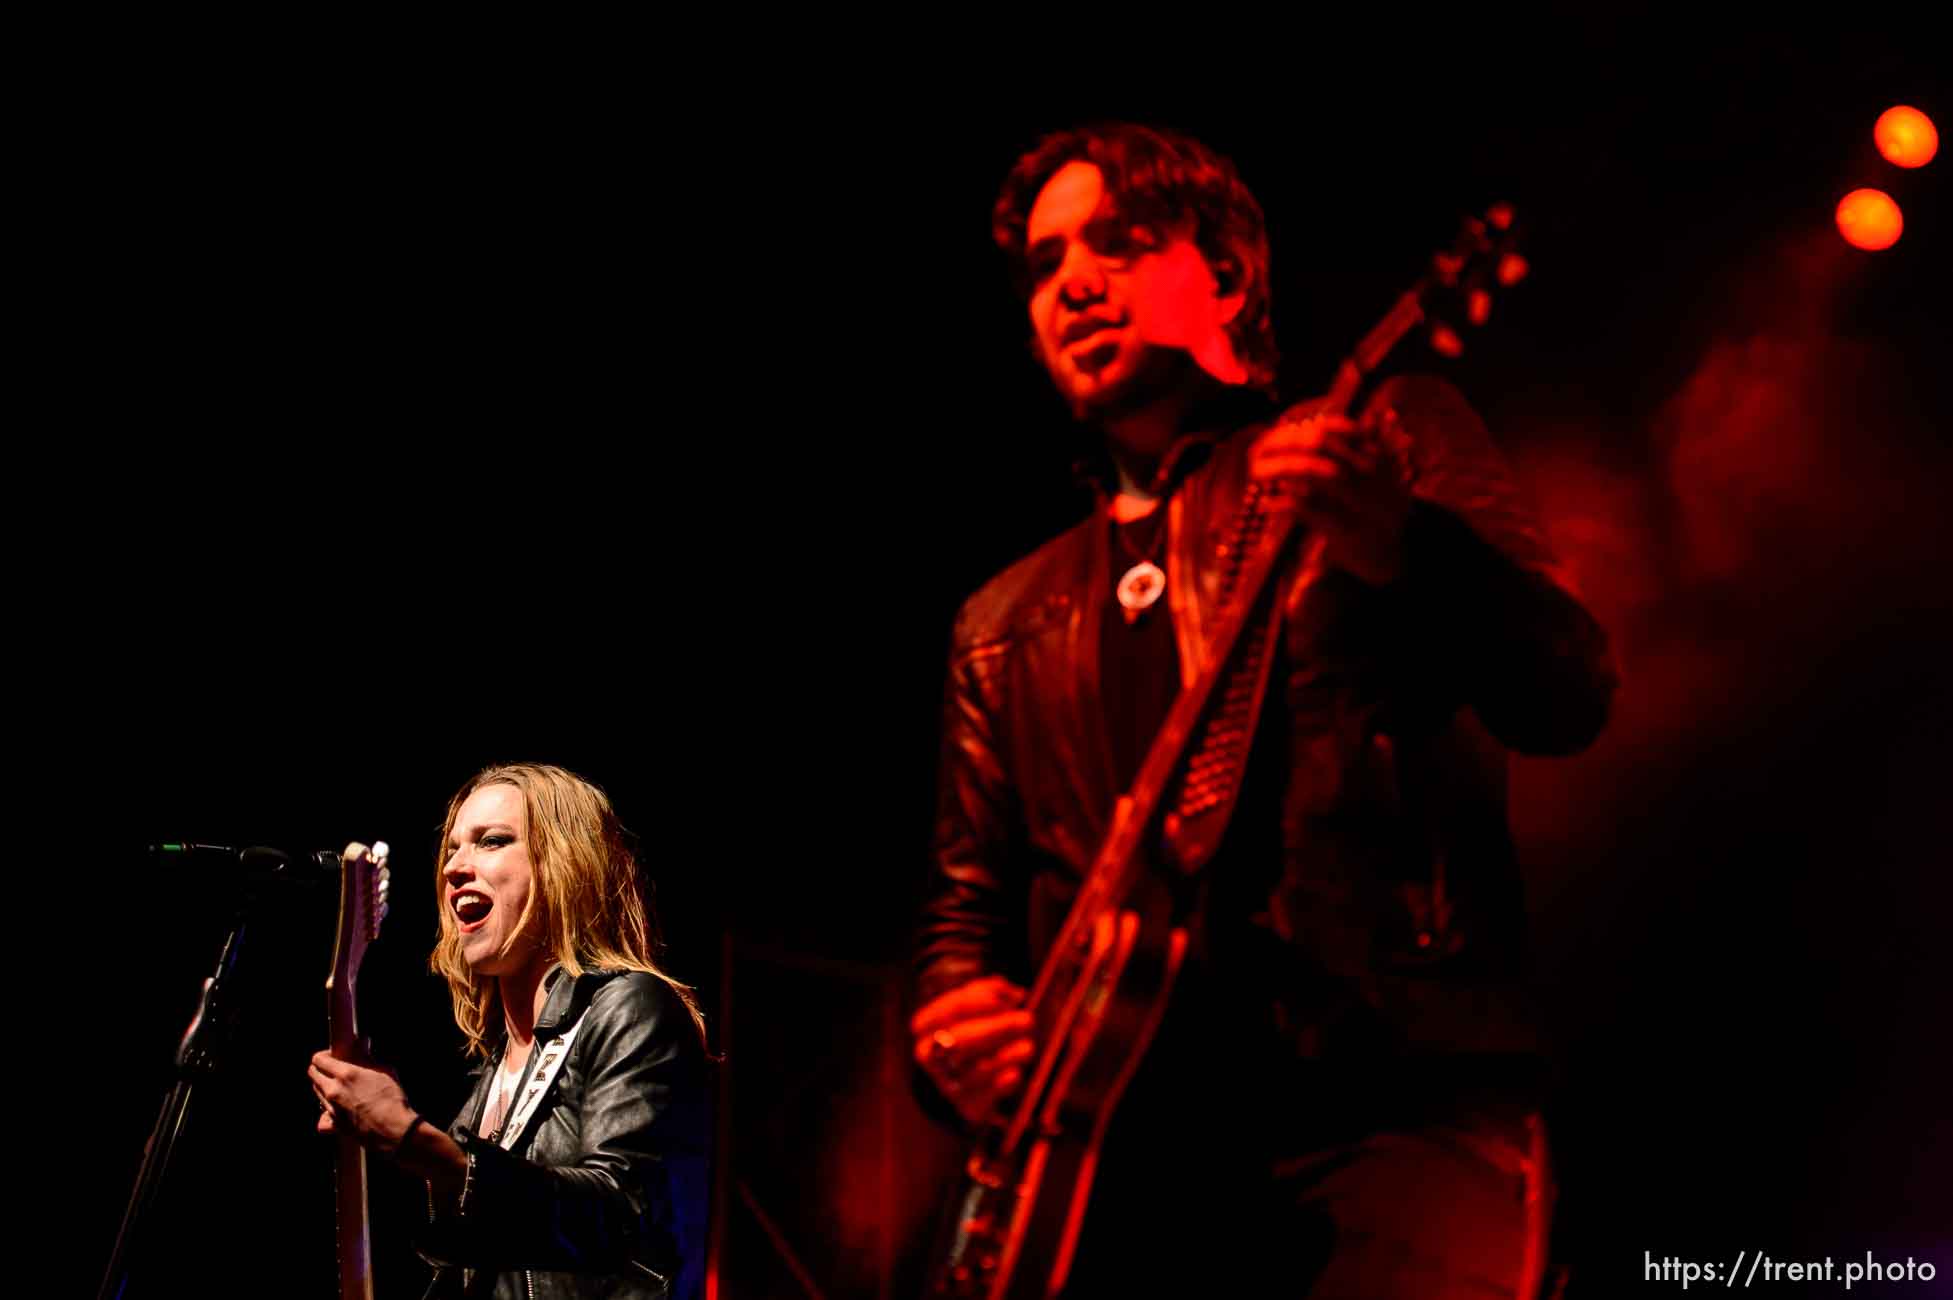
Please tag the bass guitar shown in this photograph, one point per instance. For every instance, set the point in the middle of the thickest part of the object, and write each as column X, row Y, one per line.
column 363, row 879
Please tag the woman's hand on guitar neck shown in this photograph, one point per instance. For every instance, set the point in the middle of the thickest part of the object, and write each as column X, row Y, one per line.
column 972, row 1042
column 371, row 1103
column 1351, row 483
column 373, row 1107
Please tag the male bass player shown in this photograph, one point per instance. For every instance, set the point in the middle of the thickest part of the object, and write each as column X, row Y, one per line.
column 1342, row 1095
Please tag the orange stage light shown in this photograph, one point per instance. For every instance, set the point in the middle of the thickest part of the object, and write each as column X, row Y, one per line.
column 1869, row 219
column 1906, row 136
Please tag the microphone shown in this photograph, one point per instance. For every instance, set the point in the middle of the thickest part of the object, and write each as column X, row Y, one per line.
column 257, row 860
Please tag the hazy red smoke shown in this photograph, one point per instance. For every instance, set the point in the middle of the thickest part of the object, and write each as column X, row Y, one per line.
column 1784, row 503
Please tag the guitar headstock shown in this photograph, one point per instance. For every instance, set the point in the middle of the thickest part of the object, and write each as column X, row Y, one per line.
column 1482, row 262
column 363, row 883
column 1459, row 286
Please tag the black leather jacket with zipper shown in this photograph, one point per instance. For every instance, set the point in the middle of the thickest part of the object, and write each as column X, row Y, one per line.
column 605, row 1191
column 1367, row 897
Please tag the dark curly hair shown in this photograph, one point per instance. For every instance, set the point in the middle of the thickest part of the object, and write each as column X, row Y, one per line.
column 1159, row 177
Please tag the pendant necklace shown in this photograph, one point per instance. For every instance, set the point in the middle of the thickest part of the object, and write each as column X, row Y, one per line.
column 1143, row 582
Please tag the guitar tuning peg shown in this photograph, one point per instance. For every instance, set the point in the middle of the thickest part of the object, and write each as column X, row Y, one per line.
column 1445, row 341
column 1447, row 265
column 1478, row 306
column 1512, row 269
column 384, row 875
column 1499, row 215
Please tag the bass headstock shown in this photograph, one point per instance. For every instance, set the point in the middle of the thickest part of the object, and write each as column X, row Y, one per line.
column 1481, row 263
column 363, row 886
column 1454, row 294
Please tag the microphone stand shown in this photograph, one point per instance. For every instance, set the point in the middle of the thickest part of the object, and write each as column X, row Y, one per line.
column 196, row 1058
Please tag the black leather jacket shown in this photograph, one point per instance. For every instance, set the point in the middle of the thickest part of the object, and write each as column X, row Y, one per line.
column 1367, row 896
column 605, row 1193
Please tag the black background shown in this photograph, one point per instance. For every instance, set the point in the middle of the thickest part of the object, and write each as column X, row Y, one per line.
column 650, row 412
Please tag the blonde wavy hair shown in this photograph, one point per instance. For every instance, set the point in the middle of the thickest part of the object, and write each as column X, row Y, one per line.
column 595, row 912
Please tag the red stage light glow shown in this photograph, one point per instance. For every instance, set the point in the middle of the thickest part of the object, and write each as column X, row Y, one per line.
column 1869, row 219
column 1906, row 136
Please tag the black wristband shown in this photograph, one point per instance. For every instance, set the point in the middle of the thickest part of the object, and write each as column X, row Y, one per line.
column 401, row 1145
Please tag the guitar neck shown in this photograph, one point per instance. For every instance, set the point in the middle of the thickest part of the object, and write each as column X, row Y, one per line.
column 355, row 1253
column 355, row 1242
column 1121, row 857
column 362, row 906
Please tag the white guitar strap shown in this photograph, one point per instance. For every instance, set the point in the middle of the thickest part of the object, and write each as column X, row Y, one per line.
column 541, row 1075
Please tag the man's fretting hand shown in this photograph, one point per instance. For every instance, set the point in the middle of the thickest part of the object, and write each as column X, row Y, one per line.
column 1350, row 481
